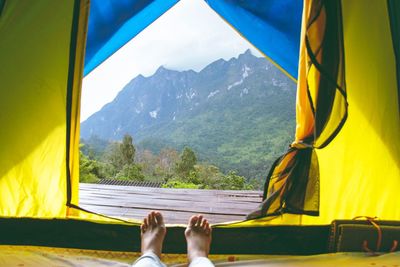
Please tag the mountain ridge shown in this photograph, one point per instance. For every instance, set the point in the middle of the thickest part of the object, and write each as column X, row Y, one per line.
column 244, row 98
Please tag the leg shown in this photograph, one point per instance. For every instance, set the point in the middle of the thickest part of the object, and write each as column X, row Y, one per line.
column 198, row 238
column 153, row 232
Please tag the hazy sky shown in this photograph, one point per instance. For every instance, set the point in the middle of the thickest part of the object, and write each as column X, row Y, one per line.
column 189, row 36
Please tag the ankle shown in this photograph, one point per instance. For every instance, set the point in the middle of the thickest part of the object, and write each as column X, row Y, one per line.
column 151, row 251
column 196, row 254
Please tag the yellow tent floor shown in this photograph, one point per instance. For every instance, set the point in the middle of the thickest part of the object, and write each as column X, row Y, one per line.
column 32, row 256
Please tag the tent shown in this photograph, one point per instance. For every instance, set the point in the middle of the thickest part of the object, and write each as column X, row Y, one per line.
column 343, row 163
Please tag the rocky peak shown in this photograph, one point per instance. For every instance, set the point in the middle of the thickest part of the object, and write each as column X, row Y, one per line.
column 246, row 54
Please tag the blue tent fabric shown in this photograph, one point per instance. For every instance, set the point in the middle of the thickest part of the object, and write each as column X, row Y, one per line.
column 114, row 23
column 2, row 3
column 273, row 26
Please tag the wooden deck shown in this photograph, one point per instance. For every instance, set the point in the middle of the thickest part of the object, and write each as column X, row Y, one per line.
column 177, row 205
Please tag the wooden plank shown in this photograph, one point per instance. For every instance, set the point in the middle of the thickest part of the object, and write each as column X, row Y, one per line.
column 167, row 190
column 197, row 198
column 146, row 201
column 171, row 217
column 177, row 205
column 213, row 206
column 167, row 193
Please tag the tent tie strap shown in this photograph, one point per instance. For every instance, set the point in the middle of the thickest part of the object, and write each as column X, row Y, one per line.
column 373, row 222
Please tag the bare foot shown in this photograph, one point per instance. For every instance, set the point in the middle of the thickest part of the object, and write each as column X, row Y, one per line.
column 198, row 237
column 153, row 232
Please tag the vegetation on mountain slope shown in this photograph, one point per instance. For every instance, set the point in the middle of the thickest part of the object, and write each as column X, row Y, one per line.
column 237, row 115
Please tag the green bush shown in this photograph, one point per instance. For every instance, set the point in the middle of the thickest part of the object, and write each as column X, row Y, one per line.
column 88, row 169
column 88, row 178
column 180, row 184
column 130, row 172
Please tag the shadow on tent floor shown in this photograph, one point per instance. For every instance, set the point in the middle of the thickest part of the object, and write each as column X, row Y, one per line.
column 30, row 256
column 70, row 233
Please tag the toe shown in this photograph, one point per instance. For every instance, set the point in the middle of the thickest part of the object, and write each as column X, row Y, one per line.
column 199, row 220
column 208, row 228
column 143, row 228
column 193, row 220
column 153, row 219
column 204, row 223
column 159, row 218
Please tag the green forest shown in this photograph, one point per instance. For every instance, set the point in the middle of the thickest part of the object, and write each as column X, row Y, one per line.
column 175, row 169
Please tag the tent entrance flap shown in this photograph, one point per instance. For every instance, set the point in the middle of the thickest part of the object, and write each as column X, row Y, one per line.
column 33, row 100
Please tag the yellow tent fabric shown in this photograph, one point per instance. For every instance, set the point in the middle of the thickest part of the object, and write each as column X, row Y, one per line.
column 35, row 50
column 41, row 51
column 360, row 168
column 33, row 163
column 45, row 256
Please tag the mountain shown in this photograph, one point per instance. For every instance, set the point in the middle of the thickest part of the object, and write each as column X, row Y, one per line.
column 237, row 114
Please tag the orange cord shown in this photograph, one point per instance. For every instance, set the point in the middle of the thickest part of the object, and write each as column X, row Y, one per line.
column 371, row 220
column 394, row 246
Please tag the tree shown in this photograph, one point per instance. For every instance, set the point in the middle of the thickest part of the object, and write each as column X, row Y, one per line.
column 113, row 157
column 88, row 169
column 127, row 150
column 232, row 181
column 166, row 163
column 147, row 161
column 209, row 175
column 167, row 159
column 121, row 154
column 119, row 160
column 94, row 147
column 130, row 172
column 186, row 163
